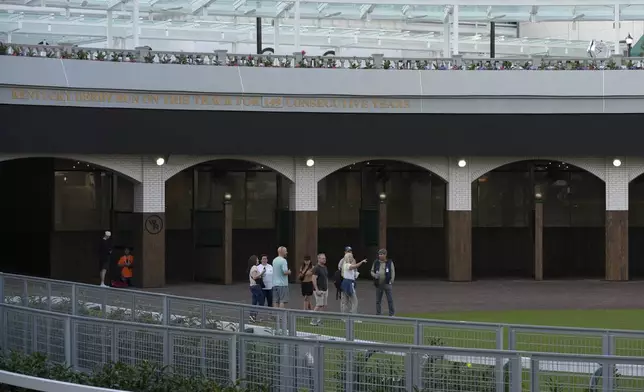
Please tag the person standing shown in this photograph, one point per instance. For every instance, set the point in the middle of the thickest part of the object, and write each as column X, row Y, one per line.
column 320, row 287
column 256, row 281
column 349, row 299
column 125, row 262
column 267, row 270
column 347, row 249
column 105, row 256
column 383, row 273
column 280, row 278
column 306, row 277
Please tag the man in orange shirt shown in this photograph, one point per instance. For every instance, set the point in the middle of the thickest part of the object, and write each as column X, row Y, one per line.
column 125, row 262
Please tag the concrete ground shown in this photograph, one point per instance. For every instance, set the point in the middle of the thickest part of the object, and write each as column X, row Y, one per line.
column 436, row 296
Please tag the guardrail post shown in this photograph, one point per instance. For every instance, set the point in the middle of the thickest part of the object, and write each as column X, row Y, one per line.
column 68, row 342
column 378, row 60
column 242, row 360
column 349, row 376
column 74, row 301
column 607, row 346
column 3, row 297
column 515, row 373
column 512, row 339
column 104, row 303
column 418, row 333
column 350, row 335
column 34, row 334
column 410, row 370
column 286, row 359
column 165, row 317
column 498, row 366
column 291, row 325
column 607, row 377
column 3, row 326
column 49, row 296
column 166, row 347
column 534, row 375
column 133, row 315
column 25, row 293
column 318, row 368
column 232, row 362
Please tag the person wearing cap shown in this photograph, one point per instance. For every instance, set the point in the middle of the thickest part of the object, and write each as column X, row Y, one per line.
column 105, row 256
column 383, row 273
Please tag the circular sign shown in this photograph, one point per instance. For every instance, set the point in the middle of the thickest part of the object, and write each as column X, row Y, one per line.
column 154, row 224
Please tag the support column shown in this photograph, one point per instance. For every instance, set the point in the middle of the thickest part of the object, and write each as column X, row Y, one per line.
column 616, row 50
column 382, row 222
column 538, row 234
column 458, row 223
column 304, row 204
column 447, row 33
column 617, row 181
column 149, row 227
column 455, row 26
column 228, row 239
column 276, row 35
column 135, row 22
column 110, row 37
column 296, row 26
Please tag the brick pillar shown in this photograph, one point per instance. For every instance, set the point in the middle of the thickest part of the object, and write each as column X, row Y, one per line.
column 149, row 226
column 458, row 223
column 304, row 205
column 617, row 180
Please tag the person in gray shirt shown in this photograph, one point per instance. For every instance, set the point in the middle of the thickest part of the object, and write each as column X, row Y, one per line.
column 320, row 286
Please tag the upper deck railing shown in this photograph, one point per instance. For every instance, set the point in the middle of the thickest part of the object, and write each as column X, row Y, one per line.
column 303, row 60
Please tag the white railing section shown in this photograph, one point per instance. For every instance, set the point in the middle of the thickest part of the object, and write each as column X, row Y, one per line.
column 45, row 385
column 302, row 60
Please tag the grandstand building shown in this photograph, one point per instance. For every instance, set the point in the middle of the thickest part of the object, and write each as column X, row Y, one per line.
column 198, row 160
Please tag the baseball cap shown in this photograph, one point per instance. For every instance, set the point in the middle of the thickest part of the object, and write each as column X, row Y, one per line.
column 348, row 249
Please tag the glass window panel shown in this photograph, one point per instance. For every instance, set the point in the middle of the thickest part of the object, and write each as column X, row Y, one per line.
column 588, row 197
column 504, row 199
column 438, row 203
column 124, row 195
column 261, row 199
column 339, row 198
column 82, row 200
column 557, row 198
column 636, row 202
column 178, row 199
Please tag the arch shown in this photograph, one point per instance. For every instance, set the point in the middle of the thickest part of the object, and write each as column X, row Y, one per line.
column 127, row 166
column 481, row 166
column 178, row 163
column 636, row 168
column 327, row 166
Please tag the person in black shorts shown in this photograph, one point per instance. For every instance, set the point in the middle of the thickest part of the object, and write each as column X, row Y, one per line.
column 306, row 279
column 105, row 256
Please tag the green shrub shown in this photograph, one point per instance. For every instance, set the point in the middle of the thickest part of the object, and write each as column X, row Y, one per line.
column 142, row 377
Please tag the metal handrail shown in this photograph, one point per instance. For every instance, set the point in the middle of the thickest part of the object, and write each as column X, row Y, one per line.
column 379, row 319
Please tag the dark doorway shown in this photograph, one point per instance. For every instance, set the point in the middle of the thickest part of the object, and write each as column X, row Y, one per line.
column 503, row 221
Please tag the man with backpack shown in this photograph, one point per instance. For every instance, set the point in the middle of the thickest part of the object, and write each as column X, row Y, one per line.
column 383, row 273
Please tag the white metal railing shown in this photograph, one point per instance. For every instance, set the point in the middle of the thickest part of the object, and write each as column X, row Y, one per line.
column 161, row 309
column 46, row 385
column 295, row 363
column 302, row 60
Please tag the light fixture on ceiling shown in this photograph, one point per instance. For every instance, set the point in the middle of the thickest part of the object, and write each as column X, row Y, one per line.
column 382, row 196
column 462, row 163
column 617, row 162
column 310, row 162
column 227, row 197
column 162, row 160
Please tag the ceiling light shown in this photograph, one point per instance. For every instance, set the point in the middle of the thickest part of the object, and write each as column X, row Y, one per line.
column 160, row 161
column 310, row 162
column 462, row 163
column 617, row 162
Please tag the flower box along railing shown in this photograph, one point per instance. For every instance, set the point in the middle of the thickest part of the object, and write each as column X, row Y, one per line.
column 302, row 60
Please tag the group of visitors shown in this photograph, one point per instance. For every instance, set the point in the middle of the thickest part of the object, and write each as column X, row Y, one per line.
column 269, row 282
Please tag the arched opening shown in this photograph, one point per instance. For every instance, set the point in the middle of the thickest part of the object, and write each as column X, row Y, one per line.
column 503, row 220
column 636, row 228
column 348, row 205
column 195, row 218
column 54, row 212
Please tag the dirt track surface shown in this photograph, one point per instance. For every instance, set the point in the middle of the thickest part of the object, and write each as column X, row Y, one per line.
column 437, row 296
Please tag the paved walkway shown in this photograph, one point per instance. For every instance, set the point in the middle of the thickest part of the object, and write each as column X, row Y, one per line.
column 436, row 296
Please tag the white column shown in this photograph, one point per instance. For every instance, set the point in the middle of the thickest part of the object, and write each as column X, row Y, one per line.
column 447, row 33
column 617, row 180
column 276, row 35
column 149, row 195
column 455, row 25
column 233, row 48
column 303, row 193
column 617, row 31
column 135, row 22
column 108, row 32
column 459, row 187
column 9, row 38
column 296, row 26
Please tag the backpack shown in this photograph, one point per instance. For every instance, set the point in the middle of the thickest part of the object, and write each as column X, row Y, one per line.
column 337, row 281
